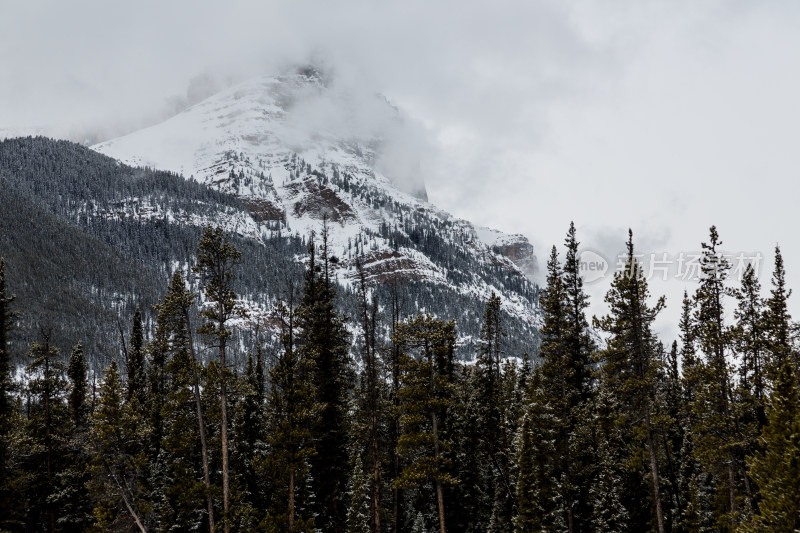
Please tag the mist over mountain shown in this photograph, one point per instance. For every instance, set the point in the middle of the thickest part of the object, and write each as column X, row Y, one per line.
column 273, row 159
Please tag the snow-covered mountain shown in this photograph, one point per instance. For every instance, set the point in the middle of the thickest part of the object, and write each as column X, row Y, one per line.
column 295, row 149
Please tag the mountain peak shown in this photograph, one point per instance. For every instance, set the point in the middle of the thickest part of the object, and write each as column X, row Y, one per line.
column 296, row 149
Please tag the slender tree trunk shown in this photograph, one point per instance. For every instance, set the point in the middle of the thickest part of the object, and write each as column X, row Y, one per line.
column 202, row 427
column 376, row 486
column 396, row 495
column 225, row 478
column 747, row 487
column 654, row 472
column 396, row 423
column 439, row 493
column 127, row 501
column 223, row 400
column 291, row 500
column 732, row 485
column 48, row 439
column 133, row 513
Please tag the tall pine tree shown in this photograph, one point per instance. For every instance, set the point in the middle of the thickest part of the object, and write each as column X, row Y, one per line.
column 630, row 365
column 426, row 348
column 216, row 262
column 324, row 340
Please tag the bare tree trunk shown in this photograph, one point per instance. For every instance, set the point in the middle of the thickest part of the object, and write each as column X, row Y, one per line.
column 202, row 426
column 439, row 493
column 128, row 502
column 223, row 399
column 376, row 486
column 731, row 486
column 395, row 424
column 654, row 473
column 225, row 478
column 133, row 513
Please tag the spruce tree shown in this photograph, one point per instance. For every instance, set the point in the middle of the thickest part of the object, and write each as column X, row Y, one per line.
column 249, row 442
column 609, row 491
column 137, row 375
column 72, row 497
column 579, row 347
column 538, row 492
column 7, row 404
column 490, row 417
column 426, row 390
column 630, row 365
column 750, row 342
column 780, row 334
column 369, row 408
column 216, row 261
column 776, row 468
column 174, row 339
column 714, row 423
column 77, row 371
column 118, row 459
column 565, row 352
column 323, row 339
column 184, row 505
column 360, row 517
column 578, row 342
column 7, row 315
column 48, row 422
column 293, row 413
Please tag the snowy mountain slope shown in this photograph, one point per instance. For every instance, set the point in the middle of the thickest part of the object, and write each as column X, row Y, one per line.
column 295, row 151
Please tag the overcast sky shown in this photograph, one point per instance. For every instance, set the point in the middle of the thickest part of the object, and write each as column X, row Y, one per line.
column 663, row 116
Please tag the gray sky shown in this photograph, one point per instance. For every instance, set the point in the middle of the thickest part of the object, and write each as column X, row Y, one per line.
column 665, row 116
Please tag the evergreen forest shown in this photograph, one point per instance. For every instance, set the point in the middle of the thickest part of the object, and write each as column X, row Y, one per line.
column 362, row 419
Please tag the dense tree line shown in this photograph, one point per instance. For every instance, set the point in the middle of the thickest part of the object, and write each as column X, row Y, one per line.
column 381, row 428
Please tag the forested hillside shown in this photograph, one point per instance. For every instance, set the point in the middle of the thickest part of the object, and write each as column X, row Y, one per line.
column 88, row 239
column 382, row 428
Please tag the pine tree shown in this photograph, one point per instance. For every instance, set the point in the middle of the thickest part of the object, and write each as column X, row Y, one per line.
column 578, row 342
column 748, row 340
column 6, row 385
column 216, row 260
column 538, row 495
column 184, row 491
column 608, row 492
column 119, row 461
column 249, row 444
column 777, row 322
column 630, row 364
column 714, row 429
column 77, row 373
column 369, row 410
column 7, row 407
column 695, row 487
column 47, row 423
column 565, row 350
column 670, row 403
column 173, row 340
column 426, row 360
column 324, row 340
column 72, row 497
column 750, row 343
column 293, row 413
column 578, row 350
column 360, row 517
column 137, row 372
column 776, row 469
column 493, row 451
